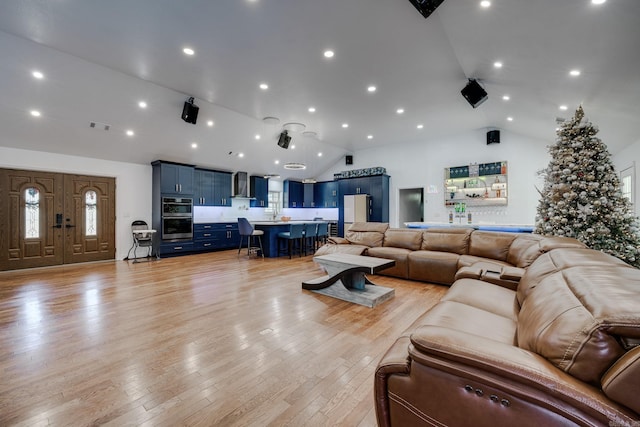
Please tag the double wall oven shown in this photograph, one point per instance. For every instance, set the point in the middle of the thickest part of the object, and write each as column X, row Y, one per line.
column 177, row 218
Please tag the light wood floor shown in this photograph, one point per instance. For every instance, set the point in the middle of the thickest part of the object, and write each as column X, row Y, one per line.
column 199, row 340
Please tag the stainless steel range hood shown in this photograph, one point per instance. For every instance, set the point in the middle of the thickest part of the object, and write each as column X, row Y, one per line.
column 241, row 185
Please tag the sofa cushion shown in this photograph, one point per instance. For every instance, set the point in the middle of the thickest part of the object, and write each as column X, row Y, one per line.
column 369, row 234
column 579, row 318
column 621, row 381
column 455, row 240
column 524, row 249
column 491, row 244
column 341, row 249
column 403, row 238
column 485, row 296
column 468, row 260
column 433, row 266
column 399, row 255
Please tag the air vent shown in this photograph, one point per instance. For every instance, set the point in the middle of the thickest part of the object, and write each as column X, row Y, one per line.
column 99, row 126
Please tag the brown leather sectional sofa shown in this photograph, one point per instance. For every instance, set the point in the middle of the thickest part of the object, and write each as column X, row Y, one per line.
column 533, row 331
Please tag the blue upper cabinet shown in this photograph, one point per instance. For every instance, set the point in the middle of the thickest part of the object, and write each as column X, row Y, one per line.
column 308, row 201
column 175, row 178
column 222, row 188
column 293, row 194
column 325, row 194
column 259, row 191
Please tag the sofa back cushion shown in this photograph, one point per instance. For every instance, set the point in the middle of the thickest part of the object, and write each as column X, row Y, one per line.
column 581, row 317
column 491, row 244
column 454, row 240
column 403, row 238
column 524, row 249
column 369, row 234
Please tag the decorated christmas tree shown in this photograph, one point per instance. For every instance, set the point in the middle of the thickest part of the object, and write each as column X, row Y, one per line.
column 581, row 197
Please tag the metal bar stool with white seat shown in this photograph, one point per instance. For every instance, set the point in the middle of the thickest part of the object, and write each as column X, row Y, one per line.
column 246, row 229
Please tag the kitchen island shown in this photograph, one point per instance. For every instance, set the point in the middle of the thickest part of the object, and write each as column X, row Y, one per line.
column 271, row 230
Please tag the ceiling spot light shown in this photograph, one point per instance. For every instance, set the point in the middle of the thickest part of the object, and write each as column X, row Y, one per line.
column 277, row 162
column 194, row 145
column 345, row 125
column 574, row 73
column 420, row 126
column 497, row 64
column 38, row 75
column 509, row 119
column 295, row 166
column 564, row 107
column 328, row 54
column 400, row 111
column 210, row 123
column 264, row 86
column 312, row 109
column 372, row 88
column 598, row 1
column 240, row 154
column 142, row 104
column 35, row 113
column 320, row 154
column 506, row 97
column 257, row 136
column 485, row 3
column 188, row 51
column 130, row 132
column 369, row 136
column 293, row 146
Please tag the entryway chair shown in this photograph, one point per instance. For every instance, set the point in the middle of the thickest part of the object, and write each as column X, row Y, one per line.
column 291, row 237
column 246, row 229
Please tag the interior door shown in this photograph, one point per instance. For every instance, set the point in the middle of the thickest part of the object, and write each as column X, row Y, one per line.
column 89, row 218
column 31, row 233
column 51, row 218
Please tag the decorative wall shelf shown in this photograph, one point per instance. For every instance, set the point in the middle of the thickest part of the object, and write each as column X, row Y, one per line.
column 476, row 184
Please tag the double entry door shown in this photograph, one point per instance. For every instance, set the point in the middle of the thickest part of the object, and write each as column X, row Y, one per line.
column 51, row 218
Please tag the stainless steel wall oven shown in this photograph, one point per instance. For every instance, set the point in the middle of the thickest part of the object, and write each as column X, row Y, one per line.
column 177, row 218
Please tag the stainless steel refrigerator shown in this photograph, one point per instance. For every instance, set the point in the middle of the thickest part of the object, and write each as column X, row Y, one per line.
column 356, row 209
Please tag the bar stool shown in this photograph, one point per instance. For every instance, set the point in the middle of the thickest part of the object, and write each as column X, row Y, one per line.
column 246, row 229
column 323, row 233
column 310, row 233
column 295, row 234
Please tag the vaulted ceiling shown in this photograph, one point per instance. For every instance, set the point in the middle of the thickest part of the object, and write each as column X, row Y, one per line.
column 99, row 59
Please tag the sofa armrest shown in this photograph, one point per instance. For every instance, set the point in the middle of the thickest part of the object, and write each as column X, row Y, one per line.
column 512, row 273
column 524, row 372
column 338, row 240
column 621, row 380
column 395, row 361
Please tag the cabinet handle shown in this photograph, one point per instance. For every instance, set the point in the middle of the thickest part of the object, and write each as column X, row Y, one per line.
column 206, row 245
column 207, row 226
column 203, row 200
column 207, row 234
column 177, row 248
column 176, row 187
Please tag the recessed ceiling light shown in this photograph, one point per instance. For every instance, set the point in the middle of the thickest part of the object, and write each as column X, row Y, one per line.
column 400, row 110
column 598, row 1
column 420, row 126
column 194, row 145
column 277, row 162
column 506, row 97
column 264, row 86
column 210, row 123
column 319, row 154
column 372, row 88
column 142, row 104
column 369, row 136
column 35, row 113
column 130, row 132
column 485, row 3
column 328, row 54
column 37, row 74
column 497, row 64
column 312, row 109
column 510, row 119
column 345, row 125
column 564, row 107
column 257, row 136
column 240, row 154
column 574, row 73
column 188, row 51
column 293, row 146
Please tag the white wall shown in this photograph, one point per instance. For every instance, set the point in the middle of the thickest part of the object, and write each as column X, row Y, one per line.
column 626, row 158
column 133, row 184
column 422, row 165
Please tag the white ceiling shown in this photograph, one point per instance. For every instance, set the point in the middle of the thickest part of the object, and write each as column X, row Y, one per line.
column 101, row 57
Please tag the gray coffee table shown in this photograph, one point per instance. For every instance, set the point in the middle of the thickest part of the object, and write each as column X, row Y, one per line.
column 346, row 278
